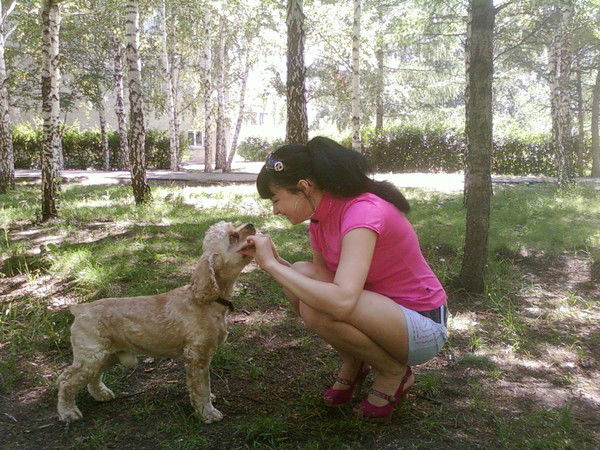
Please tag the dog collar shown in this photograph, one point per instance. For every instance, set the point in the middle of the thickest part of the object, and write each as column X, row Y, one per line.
column 225, row 302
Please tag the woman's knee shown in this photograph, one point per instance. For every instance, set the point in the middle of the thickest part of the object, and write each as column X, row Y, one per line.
column 306, row 268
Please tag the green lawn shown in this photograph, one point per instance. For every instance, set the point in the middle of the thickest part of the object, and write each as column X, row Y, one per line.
column 520, row 369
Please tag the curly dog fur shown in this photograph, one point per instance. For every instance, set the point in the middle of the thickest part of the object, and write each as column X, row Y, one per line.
column 187, row 322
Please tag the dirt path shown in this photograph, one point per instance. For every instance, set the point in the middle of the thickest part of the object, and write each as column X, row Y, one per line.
column 246, row 172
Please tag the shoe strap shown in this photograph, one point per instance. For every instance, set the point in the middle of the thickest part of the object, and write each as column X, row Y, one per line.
column 400, row 391
column 346, row 381
column 389, row 398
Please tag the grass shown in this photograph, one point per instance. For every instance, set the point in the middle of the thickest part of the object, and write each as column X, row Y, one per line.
column 535, row 326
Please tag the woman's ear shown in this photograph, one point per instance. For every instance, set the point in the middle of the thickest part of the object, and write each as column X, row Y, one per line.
column 305, row 186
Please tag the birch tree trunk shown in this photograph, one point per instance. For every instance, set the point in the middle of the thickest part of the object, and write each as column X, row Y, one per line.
column 176, row 118
column 356, row 139
column 169, row 88
column 103, row 135
column 595, row 127
column 7, row 159
column 123, row 157
column 141, row 190
column 208, row 106
column 479, row 132
column 580, row 149
column 560, row 72
column 51, row 141
column 220, row 74
column 240, row 118
column 297, row 121
column 380, row 54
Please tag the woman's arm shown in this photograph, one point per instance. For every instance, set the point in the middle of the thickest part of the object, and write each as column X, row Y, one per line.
column 337, row 298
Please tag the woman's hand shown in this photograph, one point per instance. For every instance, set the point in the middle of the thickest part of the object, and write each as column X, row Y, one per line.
column 262, row 248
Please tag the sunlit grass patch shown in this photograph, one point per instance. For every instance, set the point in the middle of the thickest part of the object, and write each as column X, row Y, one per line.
column 430, row 383
column 540, row 218
column 18, row 205
column 28, row 326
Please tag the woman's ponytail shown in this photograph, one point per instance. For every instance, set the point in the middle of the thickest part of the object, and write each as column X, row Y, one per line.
column 390, row 193
column 333, row 168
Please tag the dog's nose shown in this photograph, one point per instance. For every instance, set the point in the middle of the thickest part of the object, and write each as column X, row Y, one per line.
column 250, row 227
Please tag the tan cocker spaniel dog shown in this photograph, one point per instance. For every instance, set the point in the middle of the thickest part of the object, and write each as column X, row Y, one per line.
column 187, row 322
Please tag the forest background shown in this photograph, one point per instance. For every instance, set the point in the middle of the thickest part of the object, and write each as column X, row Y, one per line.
column 203, row 62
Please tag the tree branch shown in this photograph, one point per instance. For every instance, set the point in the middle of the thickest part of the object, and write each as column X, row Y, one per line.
column 10, row 32
column 521, row 42
column 504, row 5
column 8, row 9
column 342, row 59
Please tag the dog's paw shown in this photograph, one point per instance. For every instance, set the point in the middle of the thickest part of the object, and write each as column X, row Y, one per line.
column 70, row 414
column 211, row 414
column 100, row 393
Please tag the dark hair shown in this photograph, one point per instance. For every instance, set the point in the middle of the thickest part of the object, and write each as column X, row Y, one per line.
column 333, row 168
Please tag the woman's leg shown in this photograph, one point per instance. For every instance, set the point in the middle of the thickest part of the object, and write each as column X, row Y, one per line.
column 350, row 364
column 347, row 338
column 376, row 333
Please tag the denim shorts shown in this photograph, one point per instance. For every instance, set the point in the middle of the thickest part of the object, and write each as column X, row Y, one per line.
column 425, row 336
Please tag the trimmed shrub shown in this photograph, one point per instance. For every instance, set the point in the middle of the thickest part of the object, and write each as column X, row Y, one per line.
column 27, row 146
column 415, row 149
column 412, row 149
column 530, row 155
column 82, row 149
column 257, row 149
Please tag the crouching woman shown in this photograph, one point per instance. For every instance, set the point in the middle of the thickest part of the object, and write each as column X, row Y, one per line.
column 368, row 291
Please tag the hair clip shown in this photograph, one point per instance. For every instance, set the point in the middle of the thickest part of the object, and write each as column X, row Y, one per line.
column 273, row 164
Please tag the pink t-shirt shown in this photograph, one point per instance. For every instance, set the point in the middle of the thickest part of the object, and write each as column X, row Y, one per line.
column 398, row 269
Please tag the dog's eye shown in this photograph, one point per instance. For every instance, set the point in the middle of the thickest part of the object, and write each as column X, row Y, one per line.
column 233, row 238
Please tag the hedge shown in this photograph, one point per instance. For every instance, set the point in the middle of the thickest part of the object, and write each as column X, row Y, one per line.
column 395, row 149
column 82, row 149
column 414, row 149
column 257, row 148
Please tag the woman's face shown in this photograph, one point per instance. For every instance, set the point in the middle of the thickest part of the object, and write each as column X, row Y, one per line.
column 295, row 206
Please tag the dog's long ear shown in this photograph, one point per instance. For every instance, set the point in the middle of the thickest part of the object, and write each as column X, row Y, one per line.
column 204, row 284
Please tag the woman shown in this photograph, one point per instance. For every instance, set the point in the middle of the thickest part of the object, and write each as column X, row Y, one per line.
column 368, row 290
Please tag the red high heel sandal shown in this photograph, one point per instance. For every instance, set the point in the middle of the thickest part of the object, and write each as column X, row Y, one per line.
column 372, row 413
column 336, row 397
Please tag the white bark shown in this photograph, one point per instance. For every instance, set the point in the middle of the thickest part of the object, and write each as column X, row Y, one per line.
column 220, row 75
column 169, row 88
column 141, row 190
column 240, row 118
column 580, row 123
column 7, row 162
column 380, row 55
column 595, row 126
column 51, row 142
column 120, row 105
column 103, row 135
column 208, row 105
column 560, row 72
column 356, row 138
